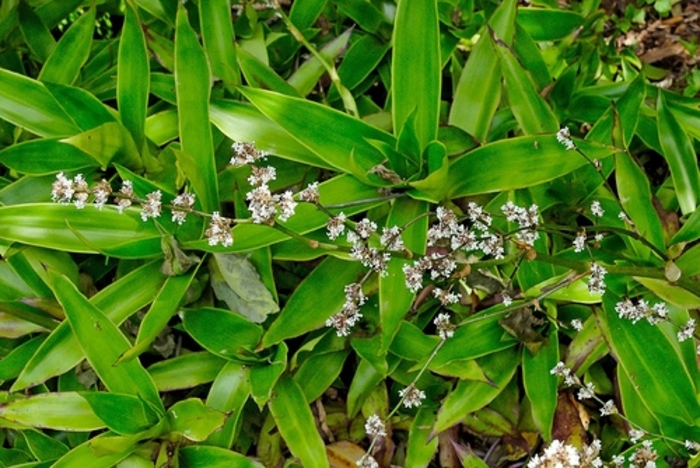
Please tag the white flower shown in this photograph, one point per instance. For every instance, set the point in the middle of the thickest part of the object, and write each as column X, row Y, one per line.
column 694, row 446
column 564, row 137
column 336, row 226
column 577, row 324
column 635, row 435
column 374, row 426
column 580, row 242
column 151, row 209
column 412, row 396
column 219, row 231
column 182, row 204
column 246, row 153
column 596, row 283
column 261, row 175
column 102, row 191
column 507, row 300
column 445, row 328
column 586, row 392
column 596, row 209
column 126, row 196
column 608, row 408
column 310, row 193
column 391, row 238
column 367, row 461
column 286, row 206
column 687, row 331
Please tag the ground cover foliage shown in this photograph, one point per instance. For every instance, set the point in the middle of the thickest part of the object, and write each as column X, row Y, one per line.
column 328, row 233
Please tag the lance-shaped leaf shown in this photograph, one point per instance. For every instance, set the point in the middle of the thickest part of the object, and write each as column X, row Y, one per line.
column 61, row 351
column 296, row 423
column 133, row 76
column 303, row 311
column 416, row 70
column 470, row 396
column 228, row 393
column 202, row 455
column 164, row 306
column 63, row 227
column 103, row 343
column 65, row 411
column 236, row 337
column 64, row 64
column 45, row 156
column 27, row 103
column 530, row 109
column 680, row 155
column 541, row 385
column 103, row 451
column 307, row 75
column 479, row 89
column 651, row 359
column 218, row 38
column 186, row 371
column 112, row 408
column 192, row 85
column 340, row 140
column 518, row 162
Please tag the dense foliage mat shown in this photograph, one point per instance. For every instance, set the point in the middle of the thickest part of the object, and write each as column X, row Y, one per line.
column 328, row 232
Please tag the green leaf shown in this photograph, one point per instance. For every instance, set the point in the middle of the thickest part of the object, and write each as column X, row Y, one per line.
column 192, row 85
column 480, row 336
column 303, row 313
column 363, row 56
column 218, row 38
column 103, row 343
column 66, row 411
column 235, row 281
column 228, row 394
column 243, row 122
column 45, row 156
column 636, row 198
column 64, row 64
column 548, row 25
column 102, row 451
column 201, row 455
column 63, row 227
column 421, row 447
column 84, row 108
column 678, row 151
column 194, row 421
column 690, row 230
column 541, row 385
column 186, row 371
column 651, row 359
column 295, row 422
column 42, row 446
column 479, row 88
column 35, row 33
column 416, row 68
column 518, row 162
column 318, row 372
column 164, row 306
column 133, row 76
column 112, row 407
column 333, row 137
column 470, row 396
column 434, row 187
column 264, row 378
column 108, row 143
column 259, row 75
column 530, row 109
column 307, row 75
column 61, row 351
column 236, row 336
column 304, row 12
column 28, row 104
column 12, row 364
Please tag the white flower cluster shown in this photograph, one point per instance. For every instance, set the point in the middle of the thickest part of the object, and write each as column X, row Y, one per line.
column 627, row 309
column 596, row 279
column 687, row 331
column 449, row 234
column 374, row 426
column 561, row 455
column 527, row 220
column 77, row 191
column 412, row 396
column 445, row 328
column 263, row 205
column 349, row 315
